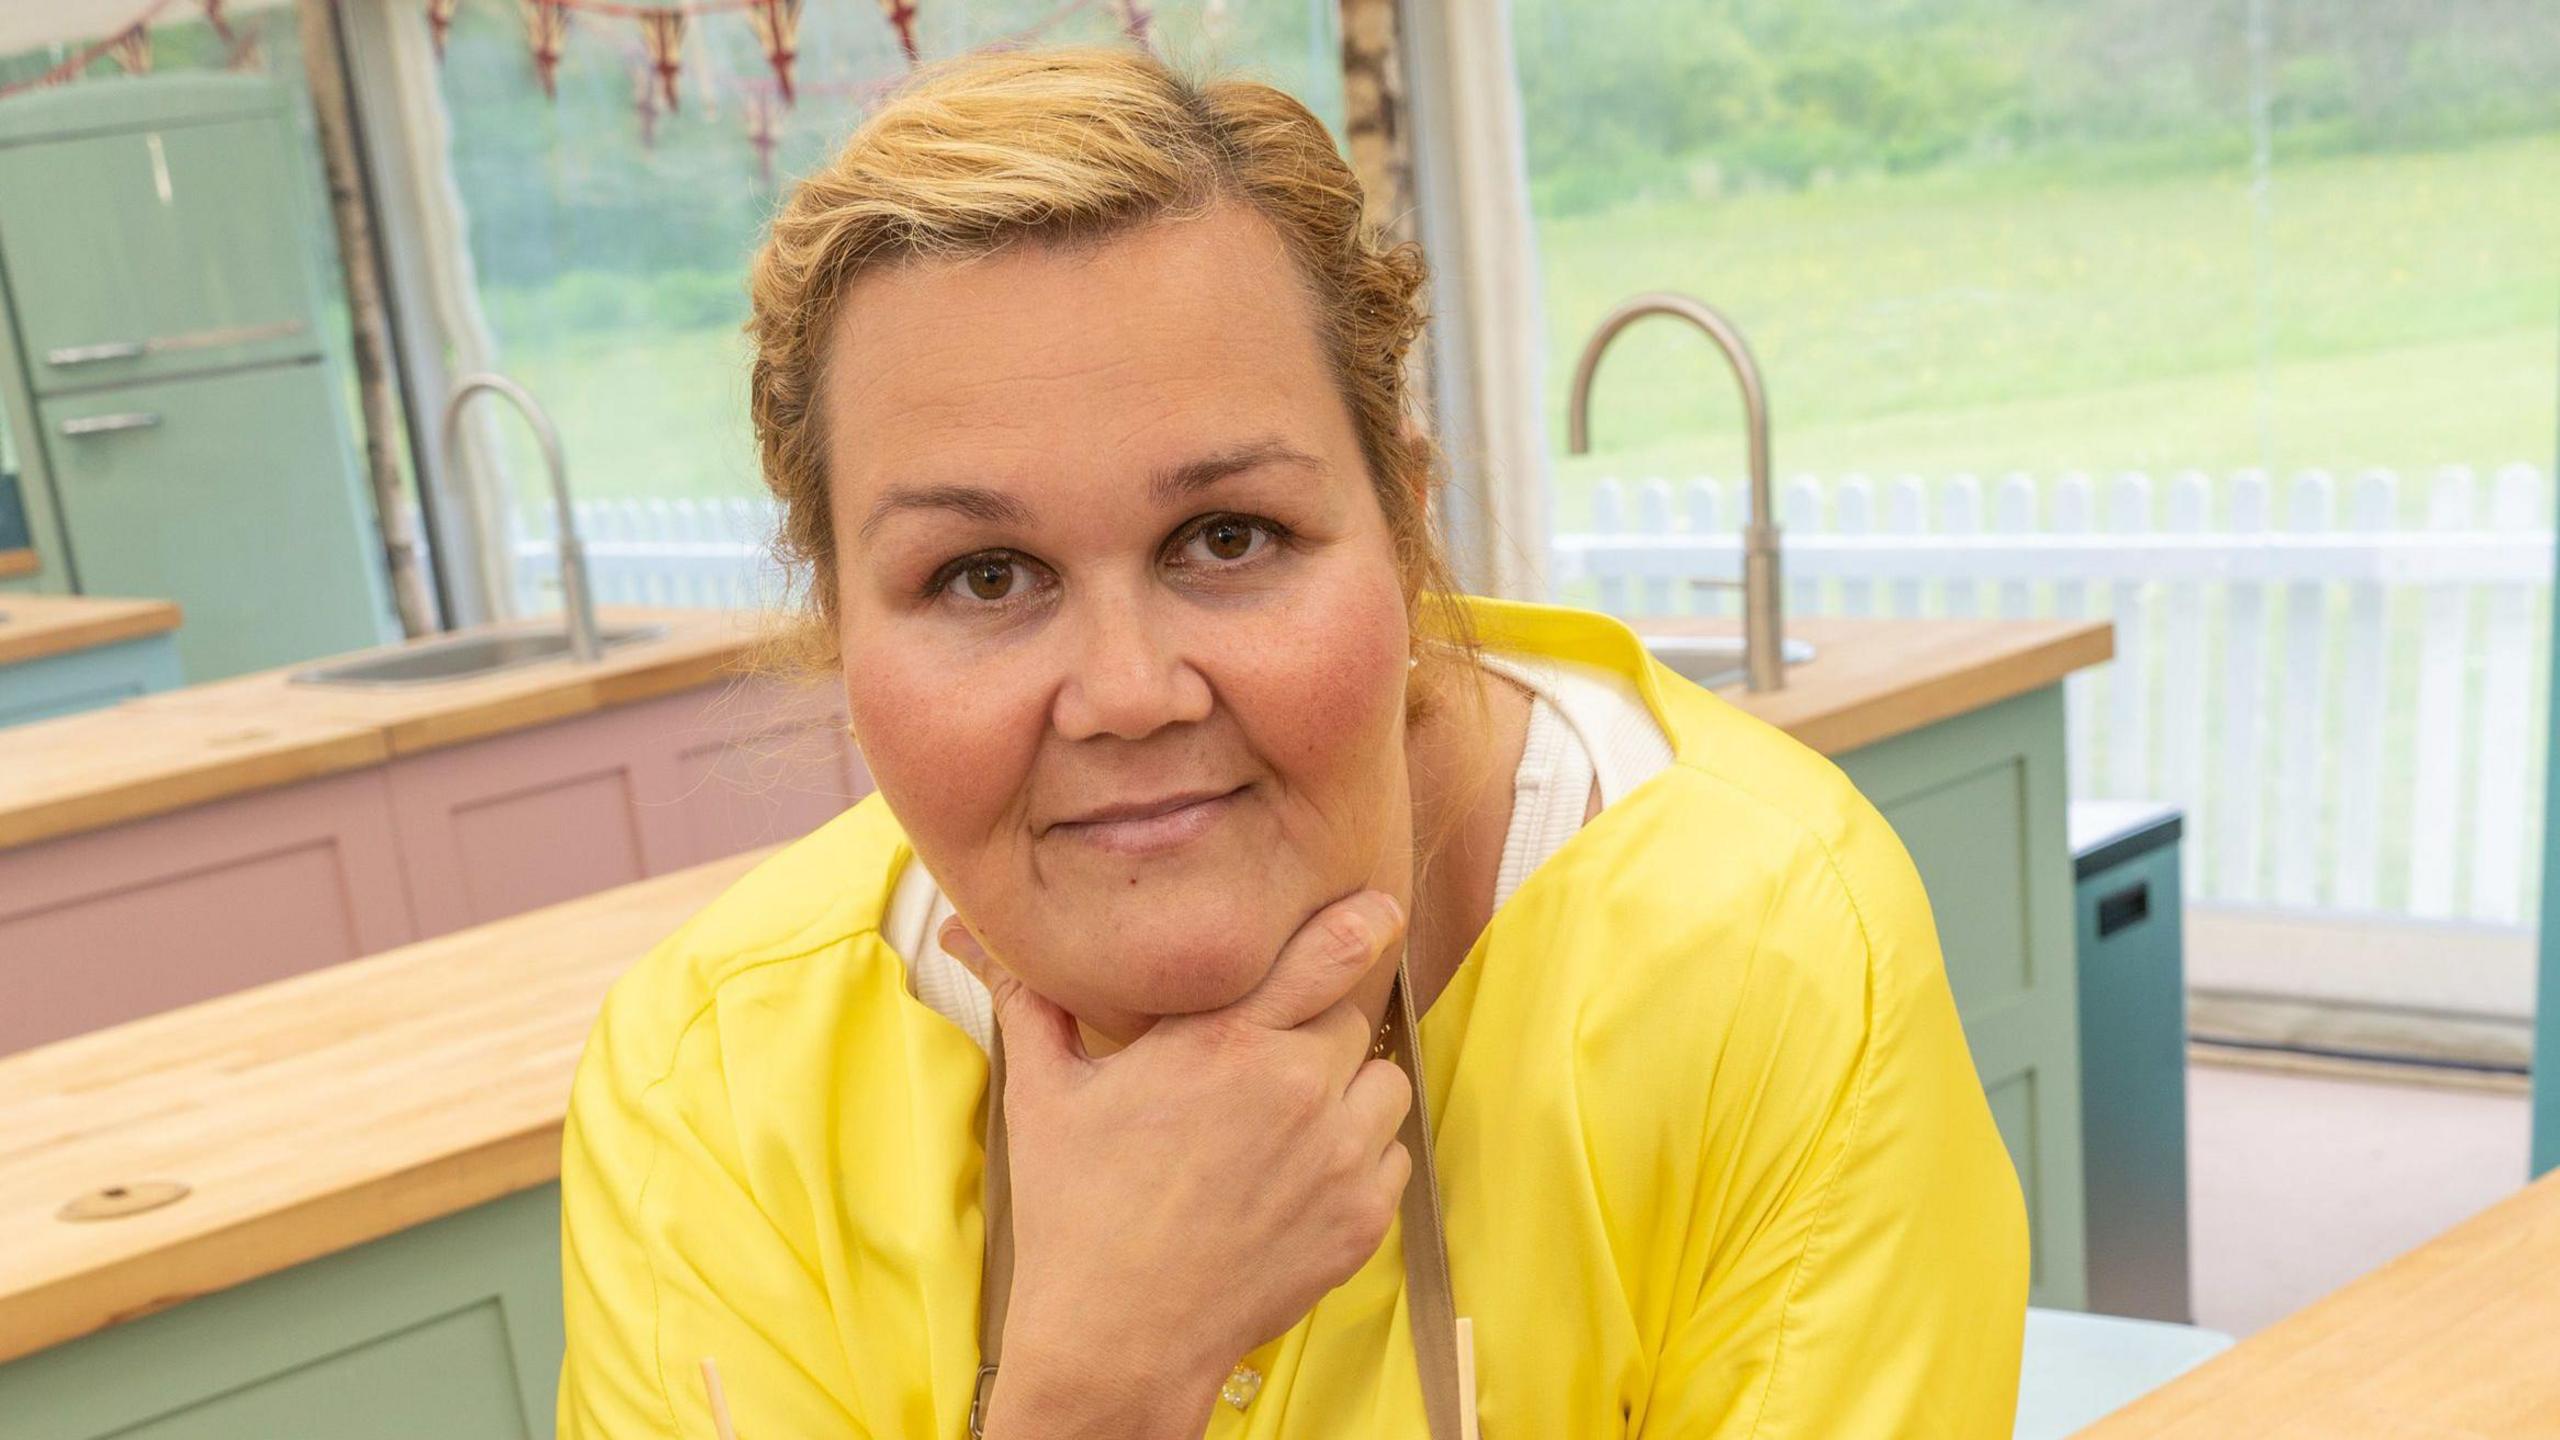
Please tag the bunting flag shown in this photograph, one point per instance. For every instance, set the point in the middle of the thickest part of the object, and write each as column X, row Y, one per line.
column 1134, row 19
column 902, row 18
column 664, row 27
column 132, row 50
column 644, row 103
column 440, row 22
column 662, row 32
column 760, row 133
column 546, row 25
column 777, row 24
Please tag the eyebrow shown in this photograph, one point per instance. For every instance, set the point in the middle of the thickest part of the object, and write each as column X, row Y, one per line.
column 1179, row 482
column 992, row 507
column 1166, row 486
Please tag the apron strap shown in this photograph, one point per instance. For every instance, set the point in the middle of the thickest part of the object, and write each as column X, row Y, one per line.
column 1431, row 1306
column 995, row 1281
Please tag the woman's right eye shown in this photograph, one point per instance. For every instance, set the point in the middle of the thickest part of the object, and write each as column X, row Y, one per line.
column 986, row 579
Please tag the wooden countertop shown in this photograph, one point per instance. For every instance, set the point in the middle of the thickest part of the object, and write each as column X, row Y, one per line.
column 1871, row 680
column 35, row 626
column 206, row 742
column 447, row 1063
column 445, row 1068
column 2458, row 1339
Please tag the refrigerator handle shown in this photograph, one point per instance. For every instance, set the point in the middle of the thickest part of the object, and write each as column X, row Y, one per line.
column 66, row 356
column 109, row 424
column 69, row 355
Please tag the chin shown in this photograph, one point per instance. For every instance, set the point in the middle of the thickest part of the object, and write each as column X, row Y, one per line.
column 1183, row 975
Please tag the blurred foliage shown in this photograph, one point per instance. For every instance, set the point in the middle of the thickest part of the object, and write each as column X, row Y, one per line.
column 1633, row 99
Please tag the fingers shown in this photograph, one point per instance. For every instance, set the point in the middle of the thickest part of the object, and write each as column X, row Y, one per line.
column 1377, row 1101
column 1323, row 961
column 1343, row 1035
column 1395, row 1171
column 1039, row 1037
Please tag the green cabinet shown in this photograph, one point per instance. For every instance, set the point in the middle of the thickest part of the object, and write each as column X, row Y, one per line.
column 1980, row 802
column 87, row 679
column 449, row 1329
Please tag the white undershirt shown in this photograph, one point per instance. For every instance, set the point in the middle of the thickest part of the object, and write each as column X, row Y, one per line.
column 1587, row 725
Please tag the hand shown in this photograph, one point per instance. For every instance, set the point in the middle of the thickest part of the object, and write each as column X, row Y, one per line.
column 1182, row 1201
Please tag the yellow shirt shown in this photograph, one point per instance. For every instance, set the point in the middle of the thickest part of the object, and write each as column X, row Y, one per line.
column 1714, row 1158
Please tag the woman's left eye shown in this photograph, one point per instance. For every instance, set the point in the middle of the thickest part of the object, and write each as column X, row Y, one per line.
column 1226, row 540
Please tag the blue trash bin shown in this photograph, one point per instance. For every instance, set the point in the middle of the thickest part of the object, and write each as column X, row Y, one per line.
column 2133, row 1056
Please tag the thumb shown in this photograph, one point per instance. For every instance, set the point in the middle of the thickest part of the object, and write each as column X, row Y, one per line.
column 1039, row 1037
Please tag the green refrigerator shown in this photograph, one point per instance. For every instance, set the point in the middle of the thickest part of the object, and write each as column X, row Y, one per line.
column 181, row 415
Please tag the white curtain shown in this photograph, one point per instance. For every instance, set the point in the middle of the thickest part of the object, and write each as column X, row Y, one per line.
column 409, row 136
column 1471, row 174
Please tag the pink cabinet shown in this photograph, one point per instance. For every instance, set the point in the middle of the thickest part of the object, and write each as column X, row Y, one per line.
column 524, row 820
column 529, row 819
column 113, row 924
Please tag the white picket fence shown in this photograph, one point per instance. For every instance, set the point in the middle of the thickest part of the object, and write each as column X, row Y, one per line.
column 690, row 554
column 2350, row 712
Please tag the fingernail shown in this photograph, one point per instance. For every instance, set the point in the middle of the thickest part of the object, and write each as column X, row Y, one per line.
column 1395, row 908
column 962, row 946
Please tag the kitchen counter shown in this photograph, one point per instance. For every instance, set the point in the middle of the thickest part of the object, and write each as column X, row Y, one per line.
column 308, row 1115
column 185, row 747
column 33, row 627
column 2456, row 1339
column 1873, row 680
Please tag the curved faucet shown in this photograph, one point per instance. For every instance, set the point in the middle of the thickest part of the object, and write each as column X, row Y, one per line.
column 1762, row 658
column 577, row 600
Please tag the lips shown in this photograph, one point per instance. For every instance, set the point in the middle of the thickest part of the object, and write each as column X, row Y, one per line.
column 1148, row 827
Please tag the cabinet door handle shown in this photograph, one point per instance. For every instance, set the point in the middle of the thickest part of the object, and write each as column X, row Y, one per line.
column 69, row 355
column 109, row 424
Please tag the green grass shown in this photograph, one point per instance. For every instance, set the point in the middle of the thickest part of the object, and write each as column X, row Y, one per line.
column 641, row 414
column 2409, row 408
column 1989, row 323
column 1971, row 321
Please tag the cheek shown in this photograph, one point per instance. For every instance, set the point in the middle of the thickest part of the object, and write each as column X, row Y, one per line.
column 1320, row 691
column 948, row 750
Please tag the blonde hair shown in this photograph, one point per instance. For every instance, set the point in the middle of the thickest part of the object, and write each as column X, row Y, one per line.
column 1070, row 147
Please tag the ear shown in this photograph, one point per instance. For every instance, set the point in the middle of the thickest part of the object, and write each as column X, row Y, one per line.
column 1415, row 437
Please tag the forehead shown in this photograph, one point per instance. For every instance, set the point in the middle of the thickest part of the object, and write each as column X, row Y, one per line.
column 1178, row 333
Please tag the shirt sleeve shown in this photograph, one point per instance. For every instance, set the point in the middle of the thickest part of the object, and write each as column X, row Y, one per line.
column 666, row 1256
column 1863, row 1240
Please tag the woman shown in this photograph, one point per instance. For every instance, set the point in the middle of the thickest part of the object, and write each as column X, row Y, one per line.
column 1085, row 395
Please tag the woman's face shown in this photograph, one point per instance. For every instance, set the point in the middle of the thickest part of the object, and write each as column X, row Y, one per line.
column 1122, row 626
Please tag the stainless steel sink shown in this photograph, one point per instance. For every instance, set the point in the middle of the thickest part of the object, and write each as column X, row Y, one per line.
column 463, row 657
column 1715, row 661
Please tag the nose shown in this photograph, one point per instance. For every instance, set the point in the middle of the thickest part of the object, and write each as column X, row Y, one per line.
column 1126, row 673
